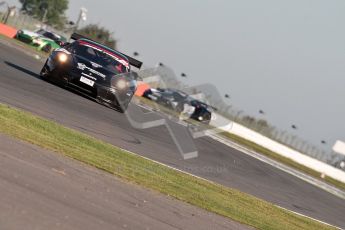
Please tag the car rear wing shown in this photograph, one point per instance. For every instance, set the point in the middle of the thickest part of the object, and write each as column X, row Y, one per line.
column 132, row 61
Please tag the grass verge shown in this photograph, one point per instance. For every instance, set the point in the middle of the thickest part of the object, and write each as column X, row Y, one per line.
column 207, row 195
column 262, row 150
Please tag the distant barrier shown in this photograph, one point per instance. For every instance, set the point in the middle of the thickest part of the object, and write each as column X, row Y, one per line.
column 7, row 31
column 20, row 20
column 142, row 87
column 287, row 152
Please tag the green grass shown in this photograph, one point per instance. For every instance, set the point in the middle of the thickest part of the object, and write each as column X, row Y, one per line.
column 262, row 150
column 130, row 167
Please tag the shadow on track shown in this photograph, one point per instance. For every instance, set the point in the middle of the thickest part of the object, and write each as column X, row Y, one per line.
column 22, row 69
column 35, row 75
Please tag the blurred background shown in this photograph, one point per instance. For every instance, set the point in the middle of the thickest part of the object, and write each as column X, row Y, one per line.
column 278, row 65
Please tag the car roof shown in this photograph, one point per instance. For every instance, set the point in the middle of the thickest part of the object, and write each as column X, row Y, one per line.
column 104, row 47
column 119, row 56
column 51, row 32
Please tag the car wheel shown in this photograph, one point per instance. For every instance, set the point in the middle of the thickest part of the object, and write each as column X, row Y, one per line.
column 47, row 48
column 44, row 74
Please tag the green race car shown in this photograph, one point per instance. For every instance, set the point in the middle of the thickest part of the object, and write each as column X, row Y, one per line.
column 41, row 39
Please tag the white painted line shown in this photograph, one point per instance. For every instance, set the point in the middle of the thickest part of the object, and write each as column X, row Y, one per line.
column 144, row 107
column 168, row 166
column 309, row 217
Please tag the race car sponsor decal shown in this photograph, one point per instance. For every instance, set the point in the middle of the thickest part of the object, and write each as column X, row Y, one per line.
column 82, row 66
column 117, row 58
column 95, row 65
column 87, row 81
column 89, row 76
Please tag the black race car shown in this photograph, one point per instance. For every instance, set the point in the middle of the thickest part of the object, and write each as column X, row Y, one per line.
column 178, row 100
column 95, row 70
column 202, row 111
column 54, row 36
column 170, row 98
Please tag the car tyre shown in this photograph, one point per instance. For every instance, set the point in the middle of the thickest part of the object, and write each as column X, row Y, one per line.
column 45, row 73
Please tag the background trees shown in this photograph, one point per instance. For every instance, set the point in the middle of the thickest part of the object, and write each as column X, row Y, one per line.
column 99, row 34
column 51, row 12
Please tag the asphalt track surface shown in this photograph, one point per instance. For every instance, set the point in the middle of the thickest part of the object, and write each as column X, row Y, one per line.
column 20, row 86
column 44, row 190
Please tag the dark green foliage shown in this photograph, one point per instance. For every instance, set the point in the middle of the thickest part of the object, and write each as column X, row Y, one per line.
column 54, row 9
column 99, row 34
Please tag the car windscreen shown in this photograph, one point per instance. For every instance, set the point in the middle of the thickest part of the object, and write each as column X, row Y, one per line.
column 50, row 35
column 96, row 55
column 197, row 103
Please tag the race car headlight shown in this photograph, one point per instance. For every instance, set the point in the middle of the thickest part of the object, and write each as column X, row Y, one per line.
column 62, row 57
column 119, row 83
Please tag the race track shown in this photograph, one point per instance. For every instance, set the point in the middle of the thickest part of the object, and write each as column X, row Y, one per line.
column 20, row 86
column 42, row 190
